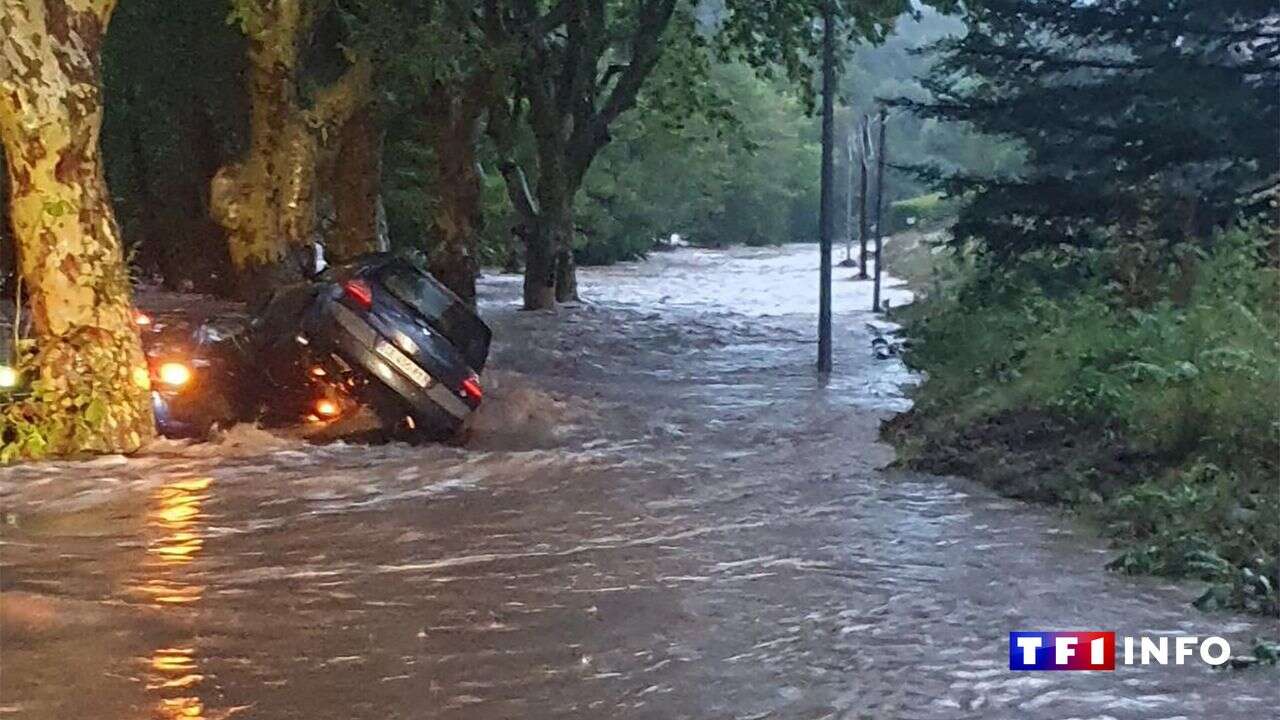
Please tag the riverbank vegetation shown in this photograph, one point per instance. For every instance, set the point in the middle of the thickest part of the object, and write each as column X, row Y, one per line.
column 1158, row 420
column 1102, row 328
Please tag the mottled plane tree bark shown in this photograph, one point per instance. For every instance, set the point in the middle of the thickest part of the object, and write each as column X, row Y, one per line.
column 267, row 200
column 90, row 381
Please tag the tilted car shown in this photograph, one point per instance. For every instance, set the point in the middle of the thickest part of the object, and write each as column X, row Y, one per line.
column 419, row 348
column 379, row 334
column 378, row 345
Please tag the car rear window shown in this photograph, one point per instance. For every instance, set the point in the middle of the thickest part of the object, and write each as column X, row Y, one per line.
column 448, row 315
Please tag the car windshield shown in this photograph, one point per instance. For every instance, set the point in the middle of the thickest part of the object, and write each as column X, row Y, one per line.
column 443, row 310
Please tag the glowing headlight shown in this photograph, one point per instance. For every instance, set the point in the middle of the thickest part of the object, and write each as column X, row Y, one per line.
column 174, row 374
column 8, row 377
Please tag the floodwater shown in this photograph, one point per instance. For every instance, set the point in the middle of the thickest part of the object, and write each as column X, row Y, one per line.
column 662, row 514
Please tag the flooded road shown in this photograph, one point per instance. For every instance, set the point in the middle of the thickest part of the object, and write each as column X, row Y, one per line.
column 662, row 514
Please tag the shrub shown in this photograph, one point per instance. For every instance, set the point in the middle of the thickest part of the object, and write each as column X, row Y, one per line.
column 1176, row 394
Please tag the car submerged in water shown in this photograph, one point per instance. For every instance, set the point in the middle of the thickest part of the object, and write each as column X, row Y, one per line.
column 379, row 334
column 377, row 346
column 374, row 348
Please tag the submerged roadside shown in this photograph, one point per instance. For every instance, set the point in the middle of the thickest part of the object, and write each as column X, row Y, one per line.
column 1155, row 418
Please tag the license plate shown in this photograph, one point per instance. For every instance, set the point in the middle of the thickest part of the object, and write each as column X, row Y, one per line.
column 402, row 363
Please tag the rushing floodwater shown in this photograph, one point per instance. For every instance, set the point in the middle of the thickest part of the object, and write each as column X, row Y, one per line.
column 662, row 514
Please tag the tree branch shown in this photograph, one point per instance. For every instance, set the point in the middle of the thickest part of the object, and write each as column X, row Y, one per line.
column 654, row 16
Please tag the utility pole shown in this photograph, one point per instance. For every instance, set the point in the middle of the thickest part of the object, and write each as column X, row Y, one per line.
column 863, row 142
column 848, row 195
column 880, row 159
column 827, row 209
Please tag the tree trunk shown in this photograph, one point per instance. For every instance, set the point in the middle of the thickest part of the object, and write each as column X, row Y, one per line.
column 539, row 266
column 562, row 233
column 547, row 273
column 8, row 260
column 267, row 201
column 566, row 276
column 542, row 227
column 90, row 378
column 533, row 231
column 454, row 128
column 457, row 217
column 357, row 200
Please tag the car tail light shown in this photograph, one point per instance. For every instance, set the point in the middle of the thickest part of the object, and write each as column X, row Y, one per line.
column 471, row 388
column 359, row 292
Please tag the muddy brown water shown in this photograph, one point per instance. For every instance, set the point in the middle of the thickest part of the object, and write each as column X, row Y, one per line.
column 662, row 513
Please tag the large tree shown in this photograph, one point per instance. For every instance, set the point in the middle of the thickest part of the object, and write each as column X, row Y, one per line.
column 91, row 381
column 353, row 180
column 441, row 73
column 580, row 66
column 268, row 200
column 1144, row 121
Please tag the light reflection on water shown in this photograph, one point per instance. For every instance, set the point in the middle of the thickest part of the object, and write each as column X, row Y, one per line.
column 174, row 522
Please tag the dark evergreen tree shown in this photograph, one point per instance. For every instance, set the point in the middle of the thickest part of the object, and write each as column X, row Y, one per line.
column 1145, row 122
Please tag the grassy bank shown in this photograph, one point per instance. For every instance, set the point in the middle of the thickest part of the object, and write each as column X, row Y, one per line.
column 1149, row 406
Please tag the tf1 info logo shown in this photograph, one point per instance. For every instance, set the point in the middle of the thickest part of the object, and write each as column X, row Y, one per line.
column 1097, row 650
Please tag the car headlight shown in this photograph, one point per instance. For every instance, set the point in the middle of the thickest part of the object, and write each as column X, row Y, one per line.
column 174, row 374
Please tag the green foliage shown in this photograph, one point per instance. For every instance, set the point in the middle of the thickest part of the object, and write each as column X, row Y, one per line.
column 785, row 36
column 421, row 44
column 410, row 191
column 1266, row 652
column 1143, row 121
column 1091, row 290
column 408, row 179
column 713, row 152
column 1170, row 404
column 712, row 186
column 876, row 74
column 1203, row 525
column 923, row 212
column 27, row 430
column 1176, row 377
column 23, row 435
column 82, row 409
